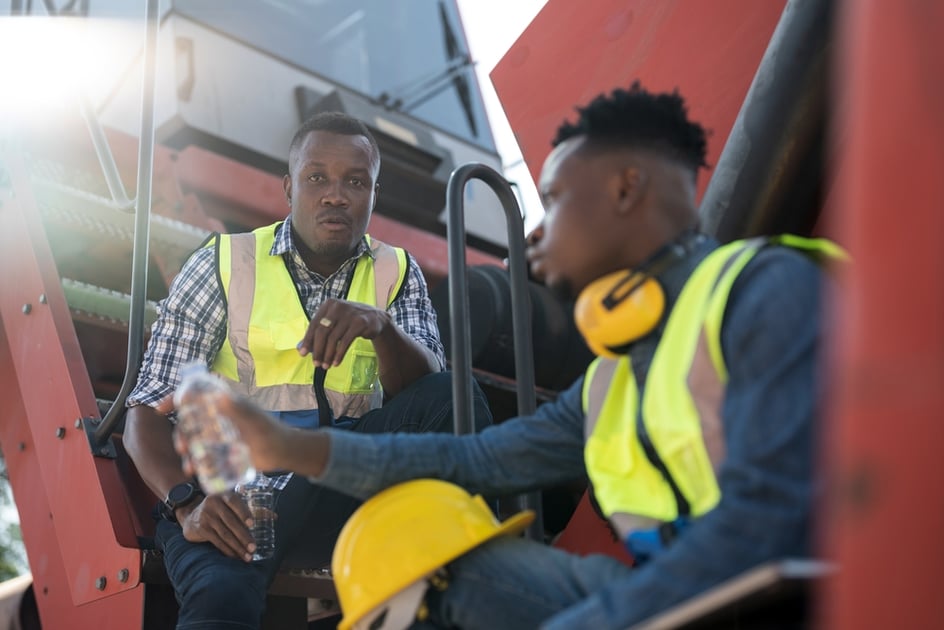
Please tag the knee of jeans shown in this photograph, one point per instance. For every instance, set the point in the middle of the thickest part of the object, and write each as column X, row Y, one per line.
column 481, row 411
column 223, row 596
column 437, row 392
column 434, row 390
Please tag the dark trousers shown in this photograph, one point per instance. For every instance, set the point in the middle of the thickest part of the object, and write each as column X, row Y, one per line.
column 217, row 592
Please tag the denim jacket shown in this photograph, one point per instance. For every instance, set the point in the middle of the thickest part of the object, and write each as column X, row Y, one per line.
column 770, row 337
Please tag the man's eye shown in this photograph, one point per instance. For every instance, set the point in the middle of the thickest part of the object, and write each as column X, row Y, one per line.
column 316, row 177
column 357, row 181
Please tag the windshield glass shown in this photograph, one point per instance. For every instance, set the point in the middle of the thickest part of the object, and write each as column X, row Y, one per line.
column 412, row 55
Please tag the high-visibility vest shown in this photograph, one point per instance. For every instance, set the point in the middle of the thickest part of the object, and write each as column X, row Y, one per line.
column 266, row 320
column 654, row 461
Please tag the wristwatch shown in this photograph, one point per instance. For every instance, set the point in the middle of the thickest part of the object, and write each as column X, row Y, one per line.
column 180, row 495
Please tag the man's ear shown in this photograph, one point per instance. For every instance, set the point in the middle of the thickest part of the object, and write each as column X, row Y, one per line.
column 287, row 188
column 632, row 183
column 373, row 206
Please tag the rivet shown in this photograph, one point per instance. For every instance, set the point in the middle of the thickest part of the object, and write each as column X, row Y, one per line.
column 60, row 432
column 27, row 308
column 78, row 423
column 123, row 575
column 42, row 298
column 22, row 446
column 100, row 583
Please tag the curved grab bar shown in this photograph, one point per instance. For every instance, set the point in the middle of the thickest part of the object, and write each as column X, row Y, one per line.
column 459, row 307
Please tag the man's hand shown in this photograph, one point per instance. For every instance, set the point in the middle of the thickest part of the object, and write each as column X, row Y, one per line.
column 222, row 520
column 265, row 436
column 272, row 445
column 336, row 324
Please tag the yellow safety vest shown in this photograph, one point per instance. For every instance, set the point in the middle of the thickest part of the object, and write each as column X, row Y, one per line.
column 679, row 418
column 266, row 320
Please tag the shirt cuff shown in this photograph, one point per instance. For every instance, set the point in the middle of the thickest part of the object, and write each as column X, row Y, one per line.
column 354, row 463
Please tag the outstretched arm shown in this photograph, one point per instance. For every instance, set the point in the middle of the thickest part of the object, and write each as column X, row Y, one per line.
column 521, row 454
column 273, row 445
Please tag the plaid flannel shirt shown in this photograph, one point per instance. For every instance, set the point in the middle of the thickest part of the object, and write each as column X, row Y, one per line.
column 192, row 321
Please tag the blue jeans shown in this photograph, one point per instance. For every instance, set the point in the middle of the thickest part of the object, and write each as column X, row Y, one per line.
column 516, row 583
column 216, row 592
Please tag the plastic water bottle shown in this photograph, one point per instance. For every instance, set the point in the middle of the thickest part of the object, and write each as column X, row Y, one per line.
column 259, row 495
column 219, row 457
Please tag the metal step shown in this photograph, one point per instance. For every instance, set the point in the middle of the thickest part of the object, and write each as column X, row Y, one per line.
column 97, row 215
column 102, row 303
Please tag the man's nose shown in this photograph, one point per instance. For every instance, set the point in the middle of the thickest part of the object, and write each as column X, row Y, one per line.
column 333, row 194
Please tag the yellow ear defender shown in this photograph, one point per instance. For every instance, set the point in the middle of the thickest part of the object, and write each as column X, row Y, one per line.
column 617, row 309
column 621, row 307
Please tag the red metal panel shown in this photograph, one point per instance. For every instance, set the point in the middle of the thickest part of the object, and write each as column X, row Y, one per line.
column 50, row 578
column 573, row 51
column 47, row 386
column 250, row 196
column 586, row 533
column 886, row 513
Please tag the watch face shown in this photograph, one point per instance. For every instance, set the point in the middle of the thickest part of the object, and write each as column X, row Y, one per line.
column 180, row 494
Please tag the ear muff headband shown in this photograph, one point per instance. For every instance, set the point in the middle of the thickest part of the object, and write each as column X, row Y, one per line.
column 626, row 305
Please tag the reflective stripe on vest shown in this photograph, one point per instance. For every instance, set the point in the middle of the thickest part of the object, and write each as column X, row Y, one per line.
column 681, row 406
column 266, row 320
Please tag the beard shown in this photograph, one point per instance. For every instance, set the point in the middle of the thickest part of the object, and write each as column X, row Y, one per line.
column 327, row 250
column 334, row 250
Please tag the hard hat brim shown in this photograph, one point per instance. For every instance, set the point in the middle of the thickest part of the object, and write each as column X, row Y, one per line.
column 510, row 527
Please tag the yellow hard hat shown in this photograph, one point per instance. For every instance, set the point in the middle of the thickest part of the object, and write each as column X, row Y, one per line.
column 403, row 534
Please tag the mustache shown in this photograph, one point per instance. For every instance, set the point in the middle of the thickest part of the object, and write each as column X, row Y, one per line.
column 334, row 217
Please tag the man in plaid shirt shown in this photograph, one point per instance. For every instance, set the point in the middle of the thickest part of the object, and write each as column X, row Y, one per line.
column 385, row 351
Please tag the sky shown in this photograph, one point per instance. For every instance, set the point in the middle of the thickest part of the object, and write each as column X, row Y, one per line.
column 491, row 27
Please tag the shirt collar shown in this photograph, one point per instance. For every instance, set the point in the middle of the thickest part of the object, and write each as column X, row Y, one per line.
column 283, row 242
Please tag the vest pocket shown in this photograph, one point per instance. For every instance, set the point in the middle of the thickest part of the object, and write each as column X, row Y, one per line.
column 686, row 458
column 364, row 371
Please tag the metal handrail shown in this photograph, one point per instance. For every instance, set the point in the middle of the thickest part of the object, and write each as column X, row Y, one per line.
column 142, row 215
column 459, row 308
column 105, row 157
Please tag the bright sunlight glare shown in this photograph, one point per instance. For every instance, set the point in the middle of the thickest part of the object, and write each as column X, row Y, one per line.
column 48, row 62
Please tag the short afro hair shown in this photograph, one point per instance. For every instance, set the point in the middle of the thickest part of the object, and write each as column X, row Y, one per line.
column 637, row 118
column 333, row 122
